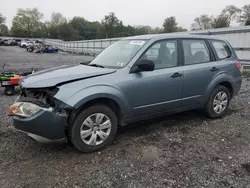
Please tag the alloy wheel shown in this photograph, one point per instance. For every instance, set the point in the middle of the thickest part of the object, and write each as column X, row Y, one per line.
column 220, row 102
column 95, row 129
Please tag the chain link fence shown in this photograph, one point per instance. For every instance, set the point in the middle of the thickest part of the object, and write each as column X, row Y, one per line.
column 87, row 47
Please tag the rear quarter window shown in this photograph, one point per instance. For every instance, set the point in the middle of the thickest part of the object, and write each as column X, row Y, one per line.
column 221, row 48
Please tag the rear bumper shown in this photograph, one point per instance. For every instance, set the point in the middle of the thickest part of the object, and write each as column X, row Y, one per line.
column 44, row 126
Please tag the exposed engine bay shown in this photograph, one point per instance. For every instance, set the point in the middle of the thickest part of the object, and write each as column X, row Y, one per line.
column 43, row 97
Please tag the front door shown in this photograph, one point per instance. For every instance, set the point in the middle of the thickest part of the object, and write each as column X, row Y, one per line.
column 159, row 90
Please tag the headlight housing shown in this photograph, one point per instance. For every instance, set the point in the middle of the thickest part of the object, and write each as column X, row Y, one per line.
column 23, row 109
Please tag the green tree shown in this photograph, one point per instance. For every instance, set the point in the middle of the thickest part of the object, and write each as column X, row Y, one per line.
column 231, row 11
column 82, row 26
column 27, row 22
column 68, row 32
column 130, row 30
column 86, row 29
column 170, row 25
column 2, row 19
column 221, row 21
column 202, row 22
column 143, row 29
column 96, row 30
column 4, row 31
column 245, row 15
column 157, row 30
column 181, row 29
column 57, row 19
column 247, row 22
column 110, row 24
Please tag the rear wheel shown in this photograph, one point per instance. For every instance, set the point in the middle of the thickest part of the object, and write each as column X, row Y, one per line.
column 94, row 128
column 9, row 90
column 218, row 102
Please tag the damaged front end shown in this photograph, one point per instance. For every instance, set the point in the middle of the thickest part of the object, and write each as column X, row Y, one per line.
column 40, row 115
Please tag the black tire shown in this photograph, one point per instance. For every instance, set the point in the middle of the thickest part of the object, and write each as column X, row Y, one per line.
column 209, row 106
column 9, row 90
column 74, row 129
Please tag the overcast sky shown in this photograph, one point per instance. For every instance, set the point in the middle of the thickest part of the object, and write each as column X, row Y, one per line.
column 133, row 12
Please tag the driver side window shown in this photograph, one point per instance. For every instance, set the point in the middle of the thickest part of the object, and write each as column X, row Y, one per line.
column 163, row 53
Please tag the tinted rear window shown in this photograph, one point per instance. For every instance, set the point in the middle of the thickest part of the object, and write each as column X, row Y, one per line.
column 221, row 49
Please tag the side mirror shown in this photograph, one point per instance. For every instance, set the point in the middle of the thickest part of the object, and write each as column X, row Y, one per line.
column 143, row 65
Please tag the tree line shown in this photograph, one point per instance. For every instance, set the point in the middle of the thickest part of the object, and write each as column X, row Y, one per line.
column 28, row 23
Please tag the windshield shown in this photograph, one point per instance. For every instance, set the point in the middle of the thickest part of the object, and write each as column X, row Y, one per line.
column 118, row 54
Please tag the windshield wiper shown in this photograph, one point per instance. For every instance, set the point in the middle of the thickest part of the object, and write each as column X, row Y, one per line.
column 85, row 62
column 96, row 65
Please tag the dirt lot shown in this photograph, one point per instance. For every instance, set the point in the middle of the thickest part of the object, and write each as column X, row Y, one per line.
column 184, row 150
column 18, row 59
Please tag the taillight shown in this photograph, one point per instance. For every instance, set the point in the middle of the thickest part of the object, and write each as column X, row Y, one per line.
column 238, row 65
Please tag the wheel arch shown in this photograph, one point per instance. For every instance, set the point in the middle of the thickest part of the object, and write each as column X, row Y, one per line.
column 112, row 104
column 228, row 85
column 225, row 80
column 108, row 96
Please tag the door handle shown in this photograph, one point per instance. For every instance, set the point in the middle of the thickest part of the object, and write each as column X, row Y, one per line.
column 175, row 75
column 214, row 69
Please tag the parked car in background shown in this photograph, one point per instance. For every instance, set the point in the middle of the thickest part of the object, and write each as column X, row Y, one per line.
column 18, row 41
column 136, row 78
column 48, row 49
column 2, row 41
column 24, row 43
column 10, row 42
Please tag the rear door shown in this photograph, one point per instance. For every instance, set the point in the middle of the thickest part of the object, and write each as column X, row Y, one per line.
column 199, row 70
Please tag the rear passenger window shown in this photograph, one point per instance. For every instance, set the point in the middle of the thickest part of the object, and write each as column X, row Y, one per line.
column 195, row 51
column 221, row 48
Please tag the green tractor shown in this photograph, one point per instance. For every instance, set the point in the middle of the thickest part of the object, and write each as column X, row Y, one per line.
column 9, row 80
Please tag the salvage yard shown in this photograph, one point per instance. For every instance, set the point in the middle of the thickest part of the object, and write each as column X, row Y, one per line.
column 182, row 150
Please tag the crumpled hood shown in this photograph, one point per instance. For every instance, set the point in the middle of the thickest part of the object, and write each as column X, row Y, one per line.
column 62, row 74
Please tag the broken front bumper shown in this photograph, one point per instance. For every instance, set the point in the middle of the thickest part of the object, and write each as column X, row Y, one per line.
column 44, row 126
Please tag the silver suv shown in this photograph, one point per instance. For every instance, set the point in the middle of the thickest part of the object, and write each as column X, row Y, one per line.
column 134, row 79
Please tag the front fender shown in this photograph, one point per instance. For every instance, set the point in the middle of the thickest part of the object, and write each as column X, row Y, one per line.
column 95, row 92
column 222, row 77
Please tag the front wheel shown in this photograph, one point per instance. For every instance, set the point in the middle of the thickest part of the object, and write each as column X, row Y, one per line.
column 9, row 90
column 218, row 102
column 94, row 128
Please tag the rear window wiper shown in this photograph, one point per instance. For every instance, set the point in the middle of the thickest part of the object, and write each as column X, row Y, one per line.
column 96, row 65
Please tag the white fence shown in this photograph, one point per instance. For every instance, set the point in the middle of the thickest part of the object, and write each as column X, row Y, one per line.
column 86, row 47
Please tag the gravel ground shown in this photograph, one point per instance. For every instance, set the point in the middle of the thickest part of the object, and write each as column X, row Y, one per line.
column 18, row 59
column 182, row 150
